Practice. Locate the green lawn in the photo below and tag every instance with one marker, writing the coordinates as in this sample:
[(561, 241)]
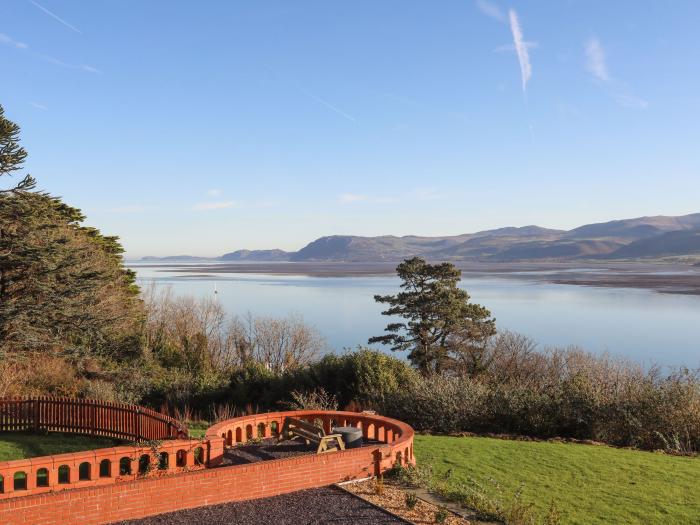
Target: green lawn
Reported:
[(197, 429), (18, 445), (589, 484)]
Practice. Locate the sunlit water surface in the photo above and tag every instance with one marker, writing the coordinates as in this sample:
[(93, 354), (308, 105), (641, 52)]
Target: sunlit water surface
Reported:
[(646, 326)]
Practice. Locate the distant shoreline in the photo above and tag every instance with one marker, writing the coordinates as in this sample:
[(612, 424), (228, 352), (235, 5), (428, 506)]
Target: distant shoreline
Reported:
[(663, 277)]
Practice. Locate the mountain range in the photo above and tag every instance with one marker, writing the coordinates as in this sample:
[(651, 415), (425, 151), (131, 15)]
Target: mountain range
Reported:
[(638, 238)]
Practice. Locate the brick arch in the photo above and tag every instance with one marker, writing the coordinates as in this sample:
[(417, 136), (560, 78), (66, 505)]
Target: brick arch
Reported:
[(105, 470), (42, 477)]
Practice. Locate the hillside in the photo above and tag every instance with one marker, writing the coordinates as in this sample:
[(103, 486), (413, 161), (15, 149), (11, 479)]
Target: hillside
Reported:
[(641, 237), (638, 238), (686, 242), (175, 258), (256, 255), (634, 229)]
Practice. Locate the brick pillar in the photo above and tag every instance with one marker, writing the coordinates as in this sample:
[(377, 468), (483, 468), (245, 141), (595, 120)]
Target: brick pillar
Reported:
[(216, 450), (31, 480), (377, 462)]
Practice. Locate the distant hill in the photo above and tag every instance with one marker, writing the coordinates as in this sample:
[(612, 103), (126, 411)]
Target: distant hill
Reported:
[(493, 243), (256, 255), (559, 249), (664, 245), (351, 248), (176, 258), (641, 237), (634, 229)]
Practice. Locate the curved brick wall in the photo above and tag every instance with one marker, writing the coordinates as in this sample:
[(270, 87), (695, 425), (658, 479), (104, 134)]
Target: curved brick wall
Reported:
[(99, 501), (24, 477), (396, 434)]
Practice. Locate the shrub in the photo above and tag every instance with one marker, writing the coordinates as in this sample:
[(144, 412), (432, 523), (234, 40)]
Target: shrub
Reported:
[(568, 394), (379, 486), (317, 399), (411, 500), (365, 377)]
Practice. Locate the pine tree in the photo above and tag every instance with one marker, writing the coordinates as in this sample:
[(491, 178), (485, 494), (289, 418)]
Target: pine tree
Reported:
[(435, 310), (63, 286), (12, 155)]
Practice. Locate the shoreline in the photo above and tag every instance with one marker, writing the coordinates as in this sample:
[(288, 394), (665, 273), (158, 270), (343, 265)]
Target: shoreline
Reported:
[(661, 277)]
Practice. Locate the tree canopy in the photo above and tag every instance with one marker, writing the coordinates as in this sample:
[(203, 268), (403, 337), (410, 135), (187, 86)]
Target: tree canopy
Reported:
[(63, 286), (437, 314), (12, 155)]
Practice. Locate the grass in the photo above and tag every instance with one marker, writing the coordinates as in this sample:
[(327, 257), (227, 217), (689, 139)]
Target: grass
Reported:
[(19, 445), (589, 484), (197, 429)]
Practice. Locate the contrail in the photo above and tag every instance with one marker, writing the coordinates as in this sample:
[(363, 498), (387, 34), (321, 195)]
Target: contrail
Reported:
[(520, 48), (316, 98), (56, 17), (327, 104)]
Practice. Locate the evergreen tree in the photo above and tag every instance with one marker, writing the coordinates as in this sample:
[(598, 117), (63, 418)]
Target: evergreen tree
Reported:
[(436, 311), (12, 155), (63, 286)]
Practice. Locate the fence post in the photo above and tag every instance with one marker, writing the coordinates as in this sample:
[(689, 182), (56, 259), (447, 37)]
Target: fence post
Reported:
[(36, 415), (93, 418), (138, 423)]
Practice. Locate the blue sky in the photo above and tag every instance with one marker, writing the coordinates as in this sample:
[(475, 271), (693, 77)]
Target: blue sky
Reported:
[(206, 127)]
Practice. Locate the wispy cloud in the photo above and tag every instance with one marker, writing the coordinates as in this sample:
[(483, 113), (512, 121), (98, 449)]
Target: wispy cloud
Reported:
[(38, 106), (348, 198), (220, 205), (491, 10), (629, 100), (7, 40), (129, 208), (597, 67), (595, 60), (353, 198), (427, 194), (68, 65), (214, 192), (56, 17), (520, 48)]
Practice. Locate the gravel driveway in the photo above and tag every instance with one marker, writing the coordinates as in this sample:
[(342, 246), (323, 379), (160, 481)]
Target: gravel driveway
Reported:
[(307, 507)]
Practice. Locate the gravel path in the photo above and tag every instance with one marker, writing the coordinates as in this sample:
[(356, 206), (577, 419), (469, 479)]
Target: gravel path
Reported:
[(328, 505)]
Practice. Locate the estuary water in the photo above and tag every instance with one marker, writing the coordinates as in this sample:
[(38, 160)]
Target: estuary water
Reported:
[(646, 326)]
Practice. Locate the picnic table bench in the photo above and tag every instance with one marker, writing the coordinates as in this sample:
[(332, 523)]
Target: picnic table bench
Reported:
[(312, 434)]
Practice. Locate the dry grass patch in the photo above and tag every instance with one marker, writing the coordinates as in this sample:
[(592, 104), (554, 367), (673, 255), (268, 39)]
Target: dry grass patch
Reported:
[(394, 499)]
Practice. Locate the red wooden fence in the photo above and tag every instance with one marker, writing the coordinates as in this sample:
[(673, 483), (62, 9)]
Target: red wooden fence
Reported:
[(87, 416)]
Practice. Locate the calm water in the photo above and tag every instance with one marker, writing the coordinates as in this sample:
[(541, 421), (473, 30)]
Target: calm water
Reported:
[(646, 326)]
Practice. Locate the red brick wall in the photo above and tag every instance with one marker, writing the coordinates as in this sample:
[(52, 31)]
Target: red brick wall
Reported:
[(99, 501), (135, 499), (92, 459)]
